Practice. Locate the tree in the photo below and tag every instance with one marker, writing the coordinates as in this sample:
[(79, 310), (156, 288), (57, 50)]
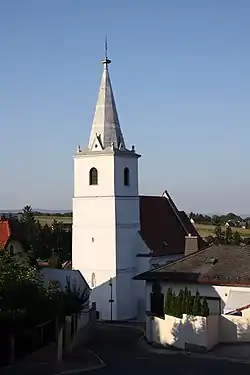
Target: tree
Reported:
[(28, 222), (197, 305), (219, 235), (204, 307), (27, 216), (168, 301), (228, 235), (236, 240)]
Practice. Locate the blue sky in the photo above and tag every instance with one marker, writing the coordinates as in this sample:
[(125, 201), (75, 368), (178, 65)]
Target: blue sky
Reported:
[(180, 74)]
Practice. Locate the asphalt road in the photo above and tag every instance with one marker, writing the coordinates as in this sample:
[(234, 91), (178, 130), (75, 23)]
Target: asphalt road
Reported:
[(124, 353)]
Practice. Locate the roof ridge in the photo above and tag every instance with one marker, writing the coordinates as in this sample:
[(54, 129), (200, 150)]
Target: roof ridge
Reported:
[(167, 196)]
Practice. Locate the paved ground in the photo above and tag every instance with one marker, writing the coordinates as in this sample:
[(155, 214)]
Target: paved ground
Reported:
[(124, 351), (238, 350)]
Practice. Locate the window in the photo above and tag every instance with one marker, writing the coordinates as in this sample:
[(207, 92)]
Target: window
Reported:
[(126, 176), (93, 176)]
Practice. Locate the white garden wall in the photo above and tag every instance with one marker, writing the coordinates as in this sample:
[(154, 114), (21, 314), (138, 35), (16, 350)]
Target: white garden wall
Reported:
[(198, 331), (234, 328)]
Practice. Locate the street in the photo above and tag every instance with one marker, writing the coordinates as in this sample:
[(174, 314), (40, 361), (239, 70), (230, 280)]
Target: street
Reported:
[(123, 352)]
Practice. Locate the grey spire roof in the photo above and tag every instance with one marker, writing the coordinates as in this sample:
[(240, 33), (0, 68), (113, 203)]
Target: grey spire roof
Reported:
[(106, 131)]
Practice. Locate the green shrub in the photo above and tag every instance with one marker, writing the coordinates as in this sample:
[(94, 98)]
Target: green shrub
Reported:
[(185, 303)]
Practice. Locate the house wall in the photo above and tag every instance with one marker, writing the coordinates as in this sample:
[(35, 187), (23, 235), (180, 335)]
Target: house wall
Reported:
[(180, 333), (211, 291), (75, 277), (17, 248)]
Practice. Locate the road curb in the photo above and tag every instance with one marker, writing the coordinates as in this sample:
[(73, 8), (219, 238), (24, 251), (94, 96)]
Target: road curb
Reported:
[(84, 369)]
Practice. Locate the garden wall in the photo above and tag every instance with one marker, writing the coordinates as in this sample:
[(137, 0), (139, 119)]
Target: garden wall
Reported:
[(234, 328), (189, 333)]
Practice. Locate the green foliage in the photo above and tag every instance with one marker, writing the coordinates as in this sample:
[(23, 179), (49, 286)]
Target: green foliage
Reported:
[(204, 307), (197, 305), (25, 299), (236, 238), (185, 303), (219, 235), (228, 235)]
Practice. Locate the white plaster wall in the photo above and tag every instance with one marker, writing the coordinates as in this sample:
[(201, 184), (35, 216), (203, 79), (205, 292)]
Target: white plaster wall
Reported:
[(17, 248), (104, 163), (213, 322), (214, 291), (105, 223), (179, 332), (234, 328), (143, 265), (74, 276), (176, 332), (132, 164)]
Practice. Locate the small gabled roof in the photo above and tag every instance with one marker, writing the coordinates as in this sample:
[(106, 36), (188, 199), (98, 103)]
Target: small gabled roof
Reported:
[(10, 228), (216, 265), (5, 233)]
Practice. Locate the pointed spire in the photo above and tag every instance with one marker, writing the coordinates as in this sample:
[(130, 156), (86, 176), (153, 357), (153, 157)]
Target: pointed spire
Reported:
[(106, 131)]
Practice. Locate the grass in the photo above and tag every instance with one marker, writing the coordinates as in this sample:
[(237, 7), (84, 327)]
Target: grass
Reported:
[(49, 219), (203, 229), (208, 230)]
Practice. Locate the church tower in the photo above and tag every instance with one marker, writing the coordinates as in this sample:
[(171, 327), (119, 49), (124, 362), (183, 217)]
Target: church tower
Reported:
[(106, 217)]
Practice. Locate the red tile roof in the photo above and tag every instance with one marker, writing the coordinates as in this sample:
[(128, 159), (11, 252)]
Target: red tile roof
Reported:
[(11, 228), (5, 233), (163, 227)]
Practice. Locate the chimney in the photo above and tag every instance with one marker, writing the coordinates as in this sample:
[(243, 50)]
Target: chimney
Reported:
[(191, 244)]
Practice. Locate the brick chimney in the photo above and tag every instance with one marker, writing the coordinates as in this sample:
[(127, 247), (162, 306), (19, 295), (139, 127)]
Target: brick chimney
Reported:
[(191, 244)]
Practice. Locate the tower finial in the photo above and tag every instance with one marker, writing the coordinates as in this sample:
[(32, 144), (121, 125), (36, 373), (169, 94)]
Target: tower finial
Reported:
[(106, 60), (106, 47)]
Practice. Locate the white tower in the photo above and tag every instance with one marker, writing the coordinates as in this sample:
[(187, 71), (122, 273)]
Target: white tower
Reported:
[(106, 216)]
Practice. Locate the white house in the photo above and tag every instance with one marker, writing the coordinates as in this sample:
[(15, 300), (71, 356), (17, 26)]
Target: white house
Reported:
[(219, 273), (117, 233)]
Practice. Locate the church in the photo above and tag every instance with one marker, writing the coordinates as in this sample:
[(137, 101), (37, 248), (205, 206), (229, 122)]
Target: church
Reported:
[(117, 233)]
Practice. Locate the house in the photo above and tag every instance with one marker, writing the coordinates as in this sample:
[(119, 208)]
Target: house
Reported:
[(219, 273), (117, 233), (12, 238), (62, 277)]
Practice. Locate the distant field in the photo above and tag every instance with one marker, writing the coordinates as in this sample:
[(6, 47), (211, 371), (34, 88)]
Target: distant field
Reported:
[(208, 230), (204, 230), (49, 219)]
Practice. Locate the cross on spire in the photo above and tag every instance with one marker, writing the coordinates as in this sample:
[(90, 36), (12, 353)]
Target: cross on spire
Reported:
[(106, 60)]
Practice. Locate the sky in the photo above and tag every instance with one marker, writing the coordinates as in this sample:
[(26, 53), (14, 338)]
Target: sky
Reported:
[(180, 75)]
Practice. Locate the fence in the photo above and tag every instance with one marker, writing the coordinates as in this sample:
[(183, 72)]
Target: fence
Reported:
[(27, 340), (24, 340)]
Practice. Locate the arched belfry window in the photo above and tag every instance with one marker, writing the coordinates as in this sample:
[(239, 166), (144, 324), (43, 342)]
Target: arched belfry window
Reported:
[(93, 176), (126, 176)]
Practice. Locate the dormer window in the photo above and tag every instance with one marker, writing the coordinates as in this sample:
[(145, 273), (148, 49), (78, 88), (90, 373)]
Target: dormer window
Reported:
[(126, 176), (93, 176)]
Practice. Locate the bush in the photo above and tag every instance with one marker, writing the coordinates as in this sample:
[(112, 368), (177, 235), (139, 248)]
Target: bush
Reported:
[(185, 303)]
